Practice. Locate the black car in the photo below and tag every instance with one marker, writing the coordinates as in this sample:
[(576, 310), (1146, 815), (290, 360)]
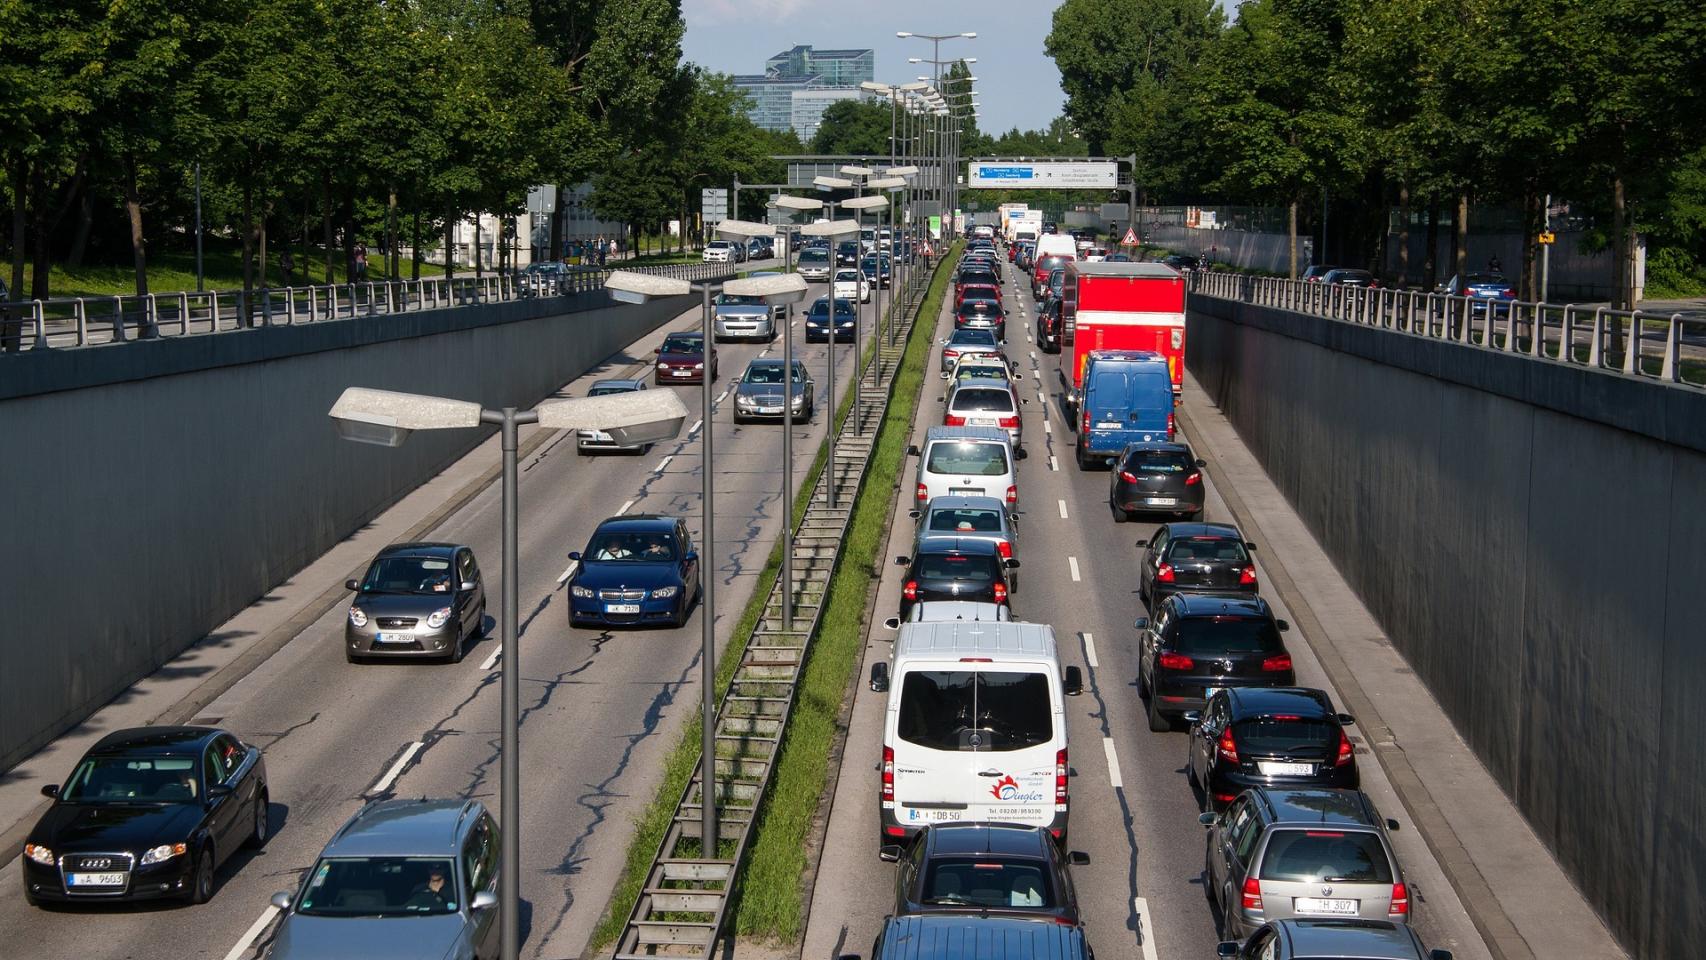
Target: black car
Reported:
[(1156, 477), (952, 568), (416, 601), (976, 937), (1211, 558), (986, 314), (817, 320), (977, 275), (847, 253), (1179, 261), (1196, 645), (148, 813), (991, 868), (1048, 327), (1269, 737)]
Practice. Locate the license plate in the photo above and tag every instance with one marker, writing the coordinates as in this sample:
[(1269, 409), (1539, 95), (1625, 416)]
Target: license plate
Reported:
[(681, 373), (965, 491), (392, 638), (96, 879), (1338, 908), (982, 422), (934, 816), (1112, 425), (1163, 501), (621, 608), (1271, 769)]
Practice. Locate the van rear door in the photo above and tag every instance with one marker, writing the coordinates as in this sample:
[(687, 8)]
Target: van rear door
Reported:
[(976, 742)]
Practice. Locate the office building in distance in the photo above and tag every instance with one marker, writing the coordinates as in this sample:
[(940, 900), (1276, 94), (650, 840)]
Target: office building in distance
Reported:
[(798, 84)]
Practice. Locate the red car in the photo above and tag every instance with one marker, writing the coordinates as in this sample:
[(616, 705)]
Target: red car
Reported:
[(976, 291), (681, 359)]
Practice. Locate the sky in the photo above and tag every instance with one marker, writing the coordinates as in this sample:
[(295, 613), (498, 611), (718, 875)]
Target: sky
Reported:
[(1018, 85)]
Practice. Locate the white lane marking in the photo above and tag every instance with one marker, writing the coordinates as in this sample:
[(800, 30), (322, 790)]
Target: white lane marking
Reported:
[(664, 463), (765, 352), (696, 425), (624, 507), (1145, 930), (1047, 428), (1090, 650), (1113, 763), (492, 660), (568, 572), (397, 768), (1062, 508), (254, 931), (1073, 563), (722, 396), (1053, 464), (1033, 354)]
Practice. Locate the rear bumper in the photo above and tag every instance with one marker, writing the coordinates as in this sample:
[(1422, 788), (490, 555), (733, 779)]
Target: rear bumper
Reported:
[(1161, 591), (1142, 501), (891, 830), (1226, 783)]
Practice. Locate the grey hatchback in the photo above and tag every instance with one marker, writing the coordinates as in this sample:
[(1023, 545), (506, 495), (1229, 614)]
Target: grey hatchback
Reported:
[(1315, 939), (403, 878), (416, 600)]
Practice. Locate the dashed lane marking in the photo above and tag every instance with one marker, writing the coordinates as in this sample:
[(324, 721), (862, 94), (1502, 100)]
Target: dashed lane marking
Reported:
[(1090, 650), (492, 661), (568, 572), (1047, 428), (1062, 508), (664, 463), (1073, 563), (248, 939), (722, 396), (696, 425), (1053, 464), (1113, 763), (397, 768), (1145, 930), (624, 507)]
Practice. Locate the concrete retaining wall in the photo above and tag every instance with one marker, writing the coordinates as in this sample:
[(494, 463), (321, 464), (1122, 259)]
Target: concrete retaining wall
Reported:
[(1529, 535), (155, 489)]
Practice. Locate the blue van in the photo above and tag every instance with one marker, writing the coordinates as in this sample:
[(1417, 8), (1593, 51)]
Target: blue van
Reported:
[(1128, 398)]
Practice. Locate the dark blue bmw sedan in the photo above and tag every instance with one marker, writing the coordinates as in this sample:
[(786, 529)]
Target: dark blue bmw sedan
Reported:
[(639, 569)]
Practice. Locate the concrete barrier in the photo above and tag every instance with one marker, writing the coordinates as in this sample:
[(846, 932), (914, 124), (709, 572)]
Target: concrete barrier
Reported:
[(1529, 535), (156, 489)]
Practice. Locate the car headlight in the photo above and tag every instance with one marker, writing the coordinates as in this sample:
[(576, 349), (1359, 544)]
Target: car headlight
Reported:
[(39, 854), (582, 592), (357, 617), (438, 617), (746, 402), (664, 593), (164, 852), (699, 366)]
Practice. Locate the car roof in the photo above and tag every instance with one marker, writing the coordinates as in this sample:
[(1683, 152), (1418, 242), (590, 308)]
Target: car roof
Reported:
[(1203, 529), (160, 740), (961, 502), (951, 543), (689, 334), (953, 639), (1189, 604), (943, 611), (965, 433), (638, 523), (1003, 839), (982, 383), (1318, 805), (623, 383), (948, 936), (1262, 701), (402, 828), (419, 548), (1371, 939)]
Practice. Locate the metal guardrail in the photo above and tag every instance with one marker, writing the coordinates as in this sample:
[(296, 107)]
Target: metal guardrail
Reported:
[(1664, 347), (103, 321)]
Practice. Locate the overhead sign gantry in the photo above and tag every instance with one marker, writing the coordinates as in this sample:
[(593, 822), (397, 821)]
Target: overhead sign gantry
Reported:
[(1042, 174)]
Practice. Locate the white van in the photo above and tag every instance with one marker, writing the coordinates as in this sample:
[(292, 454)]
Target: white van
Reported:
[(1056, 244), (975, 728), (966, 462)]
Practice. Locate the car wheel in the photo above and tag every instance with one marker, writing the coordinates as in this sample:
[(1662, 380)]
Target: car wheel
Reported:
[(1120, 516), (457, 649), (261, 830), (1078, 454), (201, 877), (480, 624), (1193, 780), (1158, 721)]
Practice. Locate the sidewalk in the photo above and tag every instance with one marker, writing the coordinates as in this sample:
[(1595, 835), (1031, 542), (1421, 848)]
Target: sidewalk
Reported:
[(1518, 897)]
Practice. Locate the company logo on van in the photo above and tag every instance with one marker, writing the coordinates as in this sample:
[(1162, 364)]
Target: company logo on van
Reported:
[(1007, 788)]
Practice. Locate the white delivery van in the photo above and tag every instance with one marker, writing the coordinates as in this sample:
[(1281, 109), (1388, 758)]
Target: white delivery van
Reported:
[(975, 728), (1057, 244)]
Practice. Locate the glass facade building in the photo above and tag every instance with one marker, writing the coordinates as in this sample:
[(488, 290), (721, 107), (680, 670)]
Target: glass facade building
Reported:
[(799, 83)]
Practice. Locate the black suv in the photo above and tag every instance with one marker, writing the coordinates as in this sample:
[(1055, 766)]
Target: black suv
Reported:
[(989, 868), (954, 568), (1211, 558), (1196, 645), (1264, 737)]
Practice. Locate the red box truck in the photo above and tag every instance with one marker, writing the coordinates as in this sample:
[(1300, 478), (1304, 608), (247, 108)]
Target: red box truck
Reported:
[(1122, 306)]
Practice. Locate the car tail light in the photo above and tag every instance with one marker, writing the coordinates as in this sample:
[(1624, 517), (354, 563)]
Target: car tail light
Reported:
[(1060, 772), (1164, 573), (950, 420), (1247, 577), (1252, 899), (888, 774), (1000, 592), (1009, 421), (910, 591), (1176, 661), (1346, 752), (1012, 493), (1172, 426), (1005, 548), (1227, 747), (1128, 476), (1085, 423), (1400, 901), (923, 493), (1193, 479), (950, 354), (1510, 294), (1277, 664)]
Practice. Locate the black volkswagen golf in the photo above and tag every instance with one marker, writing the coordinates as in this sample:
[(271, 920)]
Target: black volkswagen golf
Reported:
[(148, 813), (954, 568), (1196, 558), (1274, 737), (1156, 477), (1195, 645)]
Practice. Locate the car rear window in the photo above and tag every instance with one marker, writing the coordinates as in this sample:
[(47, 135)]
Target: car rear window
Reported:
[(981, 710), (987, 883), (1278, 733), (965, 520), (1336, 856), (1052, 262), (1208, 636), (982, 399), (1156, 461), (967, 459), (956, 566), (1207, 548), (972, 336), (1489, 278)]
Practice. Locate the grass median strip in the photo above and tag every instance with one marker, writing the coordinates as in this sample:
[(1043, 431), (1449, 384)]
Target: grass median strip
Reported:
[(770, 900)]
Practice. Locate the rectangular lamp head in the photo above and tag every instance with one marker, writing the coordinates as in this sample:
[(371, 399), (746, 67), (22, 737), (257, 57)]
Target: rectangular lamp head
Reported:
[(387, 417), (865, 203), (775, 289), (631, 286), (789, 202), (637, 417), (746, 228), (831, 228)]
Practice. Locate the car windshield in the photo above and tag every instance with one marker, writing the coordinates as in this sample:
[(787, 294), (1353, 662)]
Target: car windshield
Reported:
[(145, 779), (1280, 733), (607, 391), (820, 309), (968, 459), (973, 338), (719, 245), (982, 400), (1214, 636), (1337, 856), (736, 300), (681, 343), (1156, 461), (815, 255), (422, 575), (847, 276), (965, 520), (975, 710), (631, 546), (1207, 548), (770, 373), (1052, 262), (379, 887), (987, 883)]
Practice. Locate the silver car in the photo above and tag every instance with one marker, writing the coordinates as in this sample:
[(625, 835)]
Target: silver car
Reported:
[(416, 601), (587, 440), (401, 879), (758, 394), (972, 518), (743, 317), (967, 340), (545, 279)]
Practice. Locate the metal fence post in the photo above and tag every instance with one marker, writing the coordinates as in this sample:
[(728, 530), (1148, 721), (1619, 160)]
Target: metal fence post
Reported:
[(1632, 350), (1596, 349), (38, 316), (1668, 368)]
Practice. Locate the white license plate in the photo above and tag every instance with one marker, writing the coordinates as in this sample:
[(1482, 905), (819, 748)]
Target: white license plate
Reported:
[(1337, 908), (1272, 769), (96, 879), (1111, 425), (1162, 501), (621, 608), (965, 491), (681, 373), (392, 638), (934, 816), (982, 421)]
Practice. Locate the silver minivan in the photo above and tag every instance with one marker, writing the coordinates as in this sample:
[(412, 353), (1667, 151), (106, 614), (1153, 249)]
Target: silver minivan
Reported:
[(968, 462)]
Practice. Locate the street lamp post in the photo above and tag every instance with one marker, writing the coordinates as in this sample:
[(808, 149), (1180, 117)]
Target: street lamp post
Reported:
[(832, 229), (386, 418), (793, 233)]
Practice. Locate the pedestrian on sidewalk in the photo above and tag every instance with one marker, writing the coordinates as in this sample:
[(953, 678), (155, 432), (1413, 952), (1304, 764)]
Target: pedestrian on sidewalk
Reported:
[(361, 262)]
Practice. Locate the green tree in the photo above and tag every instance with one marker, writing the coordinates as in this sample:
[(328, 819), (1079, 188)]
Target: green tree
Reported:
[(857, 127)]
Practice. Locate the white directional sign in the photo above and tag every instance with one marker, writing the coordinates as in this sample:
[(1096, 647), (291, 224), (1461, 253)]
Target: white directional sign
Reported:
[(1042, 175), (714, 204)]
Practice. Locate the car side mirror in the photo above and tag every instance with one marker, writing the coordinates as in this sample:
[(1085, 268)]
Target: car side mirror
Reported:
[(879, 678), (281, 900), (1074, 681), (1078, 858), (1226, 950), (1202, 463), (1143, 543), (353, 585), (892, 623), (1191, 717), (915, 514), (1249, 546), (50, 790), (855, 956), (1391, 824), (1345, 718), (575, 555), (912, 450), (219, 790), (469, 585), (1439, 955), (941, 399), (1206, 819), (1141, 623), (658, 350), (484, 900), (1012, 563), (1021, 454), (902, 561), (692, 555)]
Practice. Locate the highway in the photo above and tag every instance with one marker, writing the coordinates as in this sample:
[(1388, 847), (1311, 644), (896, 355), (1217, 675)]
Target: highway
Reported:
[(1131, 807), (600, 710)]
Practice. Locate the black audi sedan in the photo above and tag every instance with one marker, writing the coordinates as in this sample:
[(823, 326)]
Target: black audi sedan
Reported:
[(992, 868), (1210, 558), (148, 813), (1196, 645), (416, 601), (1269, 737), (1156, 477), (954, 568)]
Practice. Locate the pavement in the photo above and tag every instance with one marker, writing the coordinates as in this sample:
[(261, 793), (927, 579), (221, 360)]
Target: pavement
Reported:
[(1482, 885)]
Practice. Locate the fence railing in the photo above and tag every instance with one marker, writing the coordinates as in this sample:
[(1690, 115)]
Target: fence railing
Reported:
[(100, 321), (1663, 346)]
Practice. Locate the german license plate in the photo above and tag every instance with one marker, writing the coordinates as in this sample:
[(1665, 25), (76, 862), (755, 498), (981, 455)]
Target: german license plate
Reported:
[(935, 816), (964, 491), (1162, 501), (392, 638), (1272, 769), (96, 879), (621, 608), (1337, 908), (1108, 425), (982, 421), (681, 373)]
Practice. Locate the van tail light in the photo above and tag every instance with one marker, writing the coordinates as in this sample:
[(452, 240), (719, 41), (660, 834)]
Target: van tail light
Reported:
[(1012, 493), (1060, 780), (1252, 899), (923, 493), (1277, 664), (1005, 548), (1247, 577), (1193, 479), (1129, 477), (1346, 754), (910, 591), (1012, 421), (1400, 901), (1228, 749), (888, 774), (1176, 661), (1085, 423), (1172, 426), (949, 420), (1164, 573), (1000, 592)]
